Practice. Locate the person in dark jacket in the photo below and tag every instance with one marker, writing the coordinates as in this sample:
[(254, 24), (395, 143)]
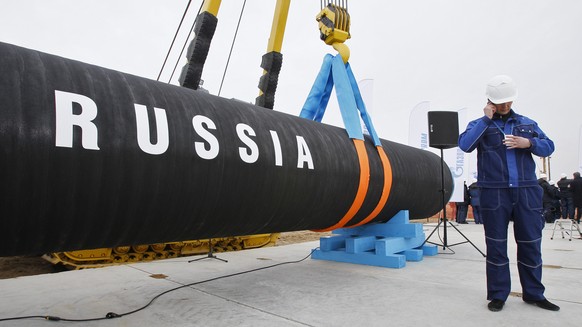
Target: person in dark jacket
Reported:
[(463, 207), (551, 194), (556, 205), (506, 173), (566, 197), (576, 188), (474, 192)]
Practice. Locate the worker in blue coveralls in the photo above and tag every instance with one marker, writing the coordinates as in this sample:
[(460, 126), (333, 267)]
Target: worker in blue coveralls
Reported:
[(505, 142)]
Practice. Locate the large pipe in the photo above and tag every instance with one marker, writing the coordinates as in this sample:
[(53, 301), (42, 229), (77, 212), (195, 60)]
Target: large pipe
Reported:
[(91, 157)]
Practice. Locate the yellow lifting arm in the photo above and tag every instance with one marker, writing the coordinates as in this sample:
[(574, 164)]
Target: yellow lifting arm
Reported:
[(278, 26), (273, 59), (211, 6), (204, 29)]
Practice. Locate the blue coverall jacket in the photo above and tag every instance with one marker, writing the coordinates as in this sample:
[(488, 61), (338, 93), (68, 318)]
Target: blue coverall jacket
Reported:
[(509, 191), (496, 166)]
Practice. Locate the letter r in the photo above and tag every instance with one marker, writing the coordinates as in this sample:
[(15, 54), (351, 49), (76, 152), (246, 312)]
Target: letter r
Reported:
[(65, 120)]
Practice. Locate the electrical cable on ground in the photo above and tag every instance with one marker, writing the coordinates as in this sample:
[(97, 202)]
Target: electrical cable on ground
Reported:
[(111, 315)]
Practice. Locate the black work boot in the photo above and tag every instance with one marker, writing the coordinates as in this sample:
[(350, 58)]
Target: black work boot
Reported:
[(544, 304), (496, 305)]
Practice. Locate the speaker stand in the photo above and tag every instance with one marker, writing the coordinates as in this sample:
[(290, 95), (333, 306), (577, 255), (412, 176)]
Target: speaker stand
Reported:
[(444, 220), (210, 254)]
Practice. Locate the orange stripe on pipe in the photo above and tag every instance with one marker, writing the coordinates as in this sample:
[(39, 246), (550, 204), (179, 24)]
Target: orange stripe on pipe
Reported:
[(385, 190), (362, 187)]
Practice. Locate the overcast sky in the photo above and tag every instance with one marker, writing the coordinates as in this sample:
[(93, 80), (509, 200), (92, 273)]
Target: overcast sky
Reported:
[(441, 51)]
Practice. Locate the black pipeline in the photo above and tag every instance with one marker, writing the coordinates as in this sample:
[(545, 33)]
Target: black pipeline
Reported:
[(94, 158)]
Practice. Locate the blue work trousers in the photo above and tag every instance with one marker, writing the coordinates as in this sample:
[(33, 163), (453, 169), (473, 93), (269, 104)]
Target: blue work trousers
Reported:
[(567, 205), (462, 210), (522, 205)]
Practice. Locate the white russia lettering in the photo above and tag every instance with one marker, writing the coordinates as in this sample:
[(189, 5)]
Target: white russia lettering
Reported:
[(143, 130), (66, 119)]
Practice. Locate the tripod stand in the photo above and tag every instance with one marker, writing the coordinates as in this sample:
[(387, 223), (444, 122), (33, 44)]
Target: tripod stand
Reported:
[(443, 220), (210, 254)]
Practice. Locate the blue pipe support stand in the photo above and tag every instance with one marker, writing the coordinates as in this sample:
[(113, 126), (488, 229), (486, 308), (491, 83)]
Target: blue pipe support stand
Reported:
[(388, 244)]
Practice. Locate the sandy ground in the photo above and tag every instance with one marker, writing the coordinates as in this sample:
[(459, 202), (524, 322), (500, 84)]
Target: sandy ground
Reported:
[(11, 267)]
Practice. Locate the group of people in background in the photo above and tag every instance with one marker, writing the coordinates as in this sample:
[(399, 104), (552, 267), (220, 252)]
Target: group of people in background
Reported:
[(562, 199)]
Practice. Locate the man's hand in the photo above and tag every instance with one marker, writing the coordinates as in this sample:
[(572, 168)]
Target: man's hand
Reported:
[(516, 142), (489, 110)]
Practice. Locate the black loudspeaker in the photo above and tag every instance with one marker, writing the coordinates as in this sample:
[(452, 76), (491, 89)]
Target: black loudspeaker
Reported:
[(443, 129)]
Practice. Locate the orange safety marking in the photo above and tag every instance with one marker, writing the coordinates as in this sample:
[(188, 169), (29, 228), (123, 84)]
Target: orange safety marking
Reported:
[(362, 187), (385, 190)]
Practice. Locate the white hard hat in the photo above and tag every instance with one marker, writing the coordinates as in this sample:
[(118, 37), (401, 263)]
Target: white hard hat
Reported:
[(552, 182), (563, 175), (542, 175), (501, 89)]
